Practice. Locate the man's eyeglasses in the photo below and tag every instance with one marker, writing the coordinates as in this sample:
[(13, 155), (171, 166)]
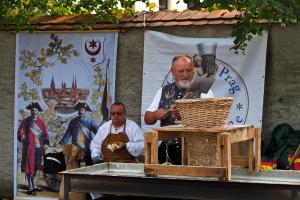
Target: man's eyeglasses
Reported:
[(116, 113)]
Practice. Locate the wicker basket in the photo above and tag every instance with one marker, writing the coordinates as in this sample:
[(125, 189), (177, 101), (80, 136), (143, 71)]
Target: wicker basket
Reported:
[(205, 112)]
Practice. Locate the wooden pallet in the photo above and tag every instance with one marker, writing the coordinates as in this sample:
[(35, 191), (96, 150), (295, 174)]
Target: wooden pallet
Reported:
[(225, 137)]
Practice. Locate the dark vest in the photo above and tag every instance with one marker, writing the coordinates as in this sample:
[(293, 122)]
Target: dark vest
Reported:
[(170, 93)]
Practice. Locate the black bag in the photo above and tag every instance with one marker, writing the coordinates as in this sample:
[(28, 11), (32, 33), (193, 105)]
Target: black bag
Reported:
[(282, 140), (54, 161)]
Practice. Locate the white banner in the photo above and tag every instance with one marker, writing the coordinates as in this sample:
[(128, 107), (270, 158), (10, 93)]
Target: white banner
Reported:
[(240, 76), (58, 74)]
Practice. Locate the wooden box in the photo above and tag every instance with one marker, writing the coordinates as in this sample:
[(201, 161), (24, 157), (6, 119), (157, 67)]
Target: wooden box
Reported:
[(220, 138)]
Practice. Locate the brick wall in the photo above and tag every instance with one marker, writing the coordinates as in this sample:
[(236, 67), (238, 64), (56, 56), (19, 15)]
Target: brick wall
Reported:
[(7, 89)]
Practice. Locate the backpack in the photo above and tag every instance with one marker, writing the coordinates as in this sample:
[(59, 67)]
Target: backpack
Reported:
[(54, 161), (276, 146)]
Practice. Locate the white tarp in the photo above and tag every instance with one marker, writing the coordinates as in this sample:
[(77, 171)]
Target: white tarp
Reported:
[(240, 76)]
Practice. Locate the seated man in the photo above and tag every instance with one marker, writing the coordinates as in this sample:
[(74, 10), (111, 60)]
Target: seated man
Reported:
[(118, 140)]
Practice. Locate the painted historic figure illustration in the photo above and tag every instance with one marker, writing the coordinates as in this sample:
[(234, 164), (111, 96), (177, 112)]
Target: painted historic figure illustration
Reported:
[(34, 138), (71, 76), (81, 131)]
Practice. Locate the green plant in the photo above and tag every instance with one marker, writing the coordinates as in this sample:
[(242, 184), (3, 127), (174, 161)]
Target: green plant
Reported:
[(252, 13), (21, 12)]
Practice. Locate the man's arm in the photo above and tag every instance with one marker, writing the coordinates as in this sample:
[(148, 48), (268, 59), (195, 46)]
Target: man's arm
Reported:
[(152, 117), (135, 145), (64, 140), (94, 126), (96, 144), (153, 113)]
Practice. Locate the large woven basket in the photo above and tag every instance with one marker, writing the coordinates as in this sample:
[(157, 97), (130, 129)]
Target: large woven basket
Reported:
[(204, 112)]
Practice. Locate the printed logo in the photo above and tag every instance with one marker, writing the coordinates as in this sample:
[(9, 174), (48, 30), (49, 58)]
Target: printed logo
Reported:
[(230, 84)]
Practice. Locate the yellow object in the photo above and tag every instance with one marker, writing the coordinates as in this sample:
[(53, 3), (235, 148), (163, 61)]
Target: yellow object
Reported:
[(297, 160), (152, 6), (266, 167), (26, 2), (115, 146)]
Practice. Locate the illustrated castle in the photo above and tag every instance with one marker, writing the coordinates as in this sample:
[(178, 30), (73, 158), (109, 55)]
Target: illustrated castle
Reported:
[(64, 97)]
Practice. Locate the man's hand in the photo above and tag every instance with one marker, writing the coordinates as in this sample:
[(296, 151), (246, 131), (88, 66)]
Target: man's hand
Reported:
[(121, 145), (98, 159), (151, 117), (160, 114), (175, 113)]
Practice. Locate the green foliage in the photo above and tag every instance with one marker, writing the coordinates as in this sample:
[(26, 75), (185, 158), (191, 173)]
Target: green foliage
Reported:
[(278, 11), (21, 12)]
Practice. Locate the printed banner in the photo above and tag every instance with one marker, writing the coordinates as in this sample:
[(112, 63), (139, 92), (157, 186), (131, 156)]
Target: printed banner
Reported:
[(65, 84), (240, 76)]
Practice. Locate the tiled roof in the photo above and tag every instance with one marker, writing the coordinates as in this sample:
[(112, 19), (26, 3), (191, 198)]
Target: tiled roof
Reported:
[(161, 18)]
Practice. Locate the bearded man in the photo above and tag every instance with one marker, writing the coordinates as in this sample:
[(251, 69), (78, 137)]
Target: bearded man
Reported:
[(161, 107)]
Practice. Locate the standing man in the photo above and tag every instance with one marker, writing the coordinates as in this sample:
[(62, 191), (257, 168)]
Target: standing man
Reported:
[(81, 131), (34, 138), (118, 140), (162, 108)]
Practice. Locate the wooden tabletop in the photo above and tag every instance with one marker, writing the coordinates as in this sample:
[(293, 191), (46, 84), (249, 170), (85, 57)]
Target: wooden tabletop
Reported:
[(226, 128)]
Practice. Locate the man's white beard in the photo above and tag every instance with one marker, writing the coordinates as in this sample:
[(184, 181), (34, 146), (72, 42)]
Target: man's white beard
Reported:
[(184, 84)]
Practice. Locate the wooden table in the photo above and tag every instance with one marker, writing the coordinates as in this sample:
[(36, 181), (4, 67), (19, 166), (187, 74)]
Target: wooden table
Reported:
[(129, 179), (225, 137)]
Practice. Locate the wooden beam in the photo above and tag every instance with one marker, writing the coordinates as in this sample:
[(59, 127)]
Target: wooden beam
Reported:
[(240, 161), (147, 148), (154, 148), (257, 148), (179, 170), (177, 128), (250, 155), (185, 151), (242, 135), (227, 156)]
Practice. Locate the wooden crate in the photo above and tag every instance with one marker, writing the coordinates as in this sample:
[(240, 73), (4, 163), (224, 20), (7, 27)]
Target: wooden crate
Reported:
[(224, 138)]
